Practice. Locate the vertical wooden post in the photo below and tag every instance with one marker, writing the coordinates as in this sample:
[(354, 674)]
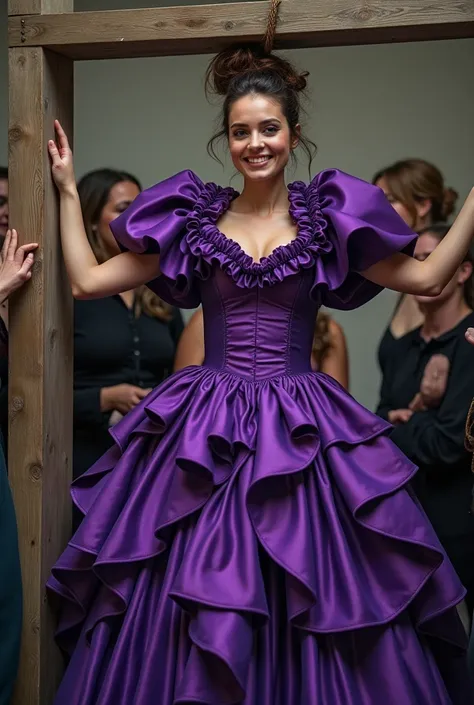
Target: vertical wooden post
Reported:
[(40, 356)]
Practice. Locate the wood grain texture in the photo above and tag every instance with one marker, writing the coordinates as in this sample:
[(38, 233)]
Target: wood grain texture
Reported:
[(40, 444), (206, 28), (38, 7)]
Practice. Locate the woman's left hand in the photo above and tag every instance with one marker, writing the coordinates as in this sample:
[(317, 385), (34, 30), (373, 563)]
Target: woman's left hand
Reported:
[(470, 335), (16, 263)]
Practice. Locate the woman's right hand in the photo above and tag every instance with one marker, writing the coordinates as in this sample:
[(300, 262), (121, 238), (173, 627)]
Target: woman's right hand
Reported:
[(61, 160), (122, 397)]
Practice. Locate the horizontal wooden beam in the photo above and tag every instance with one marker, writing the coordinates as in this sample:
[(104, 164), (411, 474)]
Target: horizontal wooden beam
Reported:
[(200, 29), (38, 7)]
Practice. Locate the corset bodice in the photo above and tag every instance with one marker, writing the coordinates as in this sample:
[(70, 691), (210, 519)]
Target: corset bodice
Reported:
[(262, 332)]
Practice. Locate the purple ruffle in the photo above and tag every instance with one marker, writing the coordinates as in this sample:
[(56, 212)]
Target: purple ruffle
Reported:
[(155, 223), (210, 246), (344, 226), (207, 499)]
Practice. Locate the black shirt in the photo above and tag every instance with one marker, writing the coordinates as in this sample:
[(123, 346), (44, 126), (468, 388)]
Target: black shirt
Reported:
[(434, 439), (386, 350), (111, 347)]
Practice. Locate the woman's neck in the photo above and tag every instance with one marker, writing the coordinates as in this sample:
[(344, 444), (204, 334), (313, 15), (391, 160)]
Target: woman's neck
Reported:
[(263, 198), (443, 319)]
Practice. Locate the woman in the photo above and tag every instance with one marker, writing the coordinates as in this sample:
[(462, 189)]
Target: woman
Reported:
[(328, 354), (433, 435), (124, 345), (417, 191), (251, 538), (15, 270)]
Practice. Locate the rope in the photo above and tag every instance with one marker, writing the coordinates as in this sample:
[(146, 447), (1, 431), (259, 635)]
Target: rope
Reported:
[(272, 21)]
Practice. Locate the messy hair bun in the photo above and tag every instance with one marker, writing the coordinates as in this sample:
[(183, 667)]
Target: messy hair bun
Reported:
[(245, 70), (235, 62)]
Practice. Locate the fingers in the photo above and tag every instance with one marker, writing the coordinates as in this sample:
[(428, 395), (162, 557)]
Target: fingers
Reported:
[(142, 393), (54, 153), (25, 270), (62, 137), (6, 244), (12, 245), (22, 251), (470, 335)]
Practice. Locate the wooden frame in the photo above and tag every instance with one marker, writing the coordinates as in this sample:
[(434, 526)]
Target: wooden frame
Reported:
[(45, 36)]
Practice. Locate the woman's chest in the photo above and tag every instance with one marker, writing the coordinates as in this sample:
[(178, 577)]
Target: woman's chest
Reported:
[(258, 236)]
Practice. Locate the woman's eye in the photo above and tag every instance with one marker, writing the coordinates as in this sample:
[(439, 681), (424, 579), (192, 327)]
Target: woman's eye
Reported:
[(238, 134), (271, 129)]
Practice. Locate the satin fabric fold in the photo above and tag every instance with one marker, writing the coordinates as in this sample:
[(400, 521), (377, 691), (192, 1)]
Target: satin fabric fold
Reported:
[(212, 518)]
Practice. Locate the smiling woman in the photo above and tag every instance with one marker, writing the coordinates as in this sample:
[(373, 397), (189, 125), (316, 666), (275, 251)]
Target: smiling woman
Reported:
[(251, 536)]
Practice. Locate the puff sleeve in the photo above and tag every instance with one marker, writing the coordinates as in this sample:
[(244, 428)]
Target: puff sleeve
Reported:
[(361, 228), (156, 222)]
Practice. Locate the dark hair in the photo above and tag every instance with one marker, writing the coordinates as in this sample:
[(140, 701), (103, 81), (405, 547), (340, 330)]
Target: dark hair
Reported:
[(94, 191), (440, 230), (240, 71), (3, 172), (413, 180)]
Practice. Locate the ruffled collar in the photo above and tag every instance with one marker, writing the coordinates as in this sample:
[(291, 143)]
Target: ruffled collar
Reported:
[(210, 245)]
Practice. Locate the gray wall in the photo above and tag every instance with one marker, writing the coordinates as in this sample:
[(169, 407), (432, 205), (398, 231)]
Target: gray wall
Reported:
[(369, 106)]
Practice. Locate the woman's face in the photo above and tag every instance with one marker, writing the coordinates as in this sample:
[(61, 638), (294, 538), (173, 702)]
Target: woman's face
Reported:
[(260, 140), (120, 197), (423, 208), (425, 245)]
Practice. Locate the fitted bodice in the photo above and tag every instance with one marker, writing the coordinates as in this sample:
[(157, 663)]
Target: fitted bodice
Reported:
[(261, 332)]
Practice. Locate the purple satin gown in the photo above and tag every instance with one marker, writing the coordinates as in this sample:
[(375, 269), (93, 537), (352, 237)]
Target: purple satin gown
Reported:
[(251, 537)]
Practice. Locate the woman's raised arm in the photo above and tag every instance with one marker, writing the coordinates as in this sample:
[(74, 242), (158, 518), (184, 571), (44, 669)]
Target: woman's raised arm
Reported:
[(429, 277), (90, 280)]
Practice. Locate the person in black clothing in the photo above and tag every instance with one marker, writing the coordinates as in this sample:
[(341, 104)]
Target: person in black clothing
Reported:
[(124, 345), (417, 191), (15, 270), (431, 431)]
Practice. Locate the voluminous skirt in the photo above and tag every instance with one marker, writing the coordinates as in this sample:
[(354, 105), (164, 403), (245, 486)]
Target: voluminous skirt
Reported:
[(257, 544)]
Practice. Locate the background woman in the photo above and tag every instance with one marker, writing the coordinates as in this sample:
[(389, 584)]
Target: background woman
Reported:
[(328, 355), (434, 437), (124, 345), (417, 191)]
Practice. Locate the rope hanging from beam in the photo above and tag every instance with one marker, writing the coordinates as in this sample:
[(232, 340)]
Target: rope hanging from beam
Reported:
[(272, 21)]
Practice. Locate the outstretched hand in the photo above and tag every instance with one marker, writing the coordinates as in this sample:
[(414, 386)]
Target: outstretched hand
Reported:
[(61, 159), (16, 263)]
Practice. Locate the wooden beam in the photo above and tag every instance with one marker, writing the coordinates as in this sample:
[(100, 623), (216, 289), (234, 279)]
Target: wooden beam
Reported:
[(40, 362), (38, 7), (206, 28)]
